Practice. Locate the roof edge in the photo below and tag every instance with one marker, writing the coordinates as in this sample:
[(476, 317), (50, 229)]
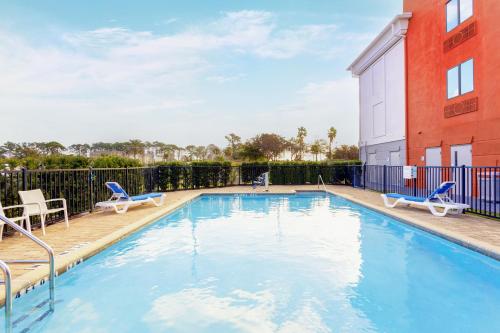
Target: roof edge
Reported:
[(395, 30)]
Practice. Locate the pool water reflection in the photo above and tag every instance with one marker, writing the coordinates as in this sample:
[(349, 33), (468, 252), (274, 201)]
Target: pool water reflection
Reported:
[(275, 263)]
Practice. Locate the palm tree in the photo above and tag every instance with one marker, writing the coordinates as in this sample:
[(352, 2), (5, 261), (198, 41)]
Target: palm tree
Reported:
[(301, 137), (135, 147), (317, 148), (332, 134)]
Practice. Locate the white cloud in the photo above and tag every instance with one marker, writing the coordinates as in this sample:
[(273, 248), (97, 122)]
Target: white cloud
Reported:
[(195, 309), (106, 37), (119, 60), (170, 20), (108, 72), (292, 42), (224, 78)]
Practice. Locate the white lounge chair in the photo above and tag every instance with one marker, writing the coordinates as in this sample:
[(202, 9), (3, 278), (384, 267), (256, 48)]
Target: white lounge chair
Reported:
[(120, 201), (438, 199), (23, 219), (36, 205)]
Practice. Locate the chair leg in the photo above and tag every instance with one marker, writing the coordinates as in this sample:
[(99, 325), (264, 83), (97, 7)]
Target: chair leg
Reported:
[(66, 216), (42, 218), (27, 222), (122, 210), (1, 231), (388, 204), (435, 212)]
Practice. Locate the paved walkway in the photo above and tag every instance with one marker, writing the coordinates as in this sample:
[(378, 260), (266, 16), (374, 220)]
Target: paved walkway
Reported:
[(91, 233)]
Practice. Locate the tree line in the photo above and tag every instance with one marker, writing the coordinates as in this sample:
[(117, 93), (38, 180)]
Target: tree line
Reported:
[(270, 146), (265, 146)]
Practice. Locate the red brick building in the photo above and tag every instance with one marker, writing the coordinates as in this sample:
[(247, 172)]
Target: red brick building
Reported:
[(453, 82)]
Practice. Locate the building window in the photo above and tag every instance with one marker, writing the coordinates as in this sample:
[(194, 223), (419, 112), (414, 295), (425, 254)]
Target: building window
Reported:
[(460, 79), (457, 11)]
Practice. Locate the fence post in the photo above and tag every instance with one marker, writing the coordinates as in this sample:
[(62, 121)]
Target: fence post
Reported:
[(158, 178), (384, 187), (91, 190), (126, 179), (463, 184), (149, 187), (364, 176), (25, 179)]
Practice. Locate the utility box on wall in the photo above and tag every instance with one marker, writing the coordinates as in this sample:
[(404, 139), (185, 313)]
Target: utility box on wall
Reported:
[(409, 172)]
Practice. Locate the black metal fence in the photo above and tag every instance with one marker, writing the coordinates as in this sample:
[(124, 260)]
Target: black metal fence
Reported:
[(83, 188), (478, 187), (302, 174)]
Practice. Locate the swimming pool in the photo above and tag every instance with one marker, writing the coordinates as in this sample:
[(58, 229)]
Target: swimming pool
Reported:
[(273, 263)]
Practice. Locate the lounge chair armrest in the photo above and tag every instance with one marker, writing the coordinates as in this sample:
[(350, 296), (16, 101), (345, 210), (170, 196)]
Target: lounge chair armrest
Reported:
[(56, 200), (12, 207), (52, 200), (19, 206)]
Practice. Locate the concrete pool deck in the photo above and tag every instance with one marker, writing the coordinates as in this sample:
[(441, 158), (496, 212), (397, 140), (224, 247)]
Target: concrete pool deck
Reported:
[(91, 233)]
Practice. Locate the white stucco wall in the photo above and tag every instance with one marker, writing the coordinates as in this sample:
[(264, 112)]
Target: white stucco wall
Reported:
[(382, 98)]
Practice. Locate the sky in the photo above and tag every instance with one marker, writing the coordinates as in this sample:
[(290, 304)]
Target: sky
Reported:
[(182, 72)]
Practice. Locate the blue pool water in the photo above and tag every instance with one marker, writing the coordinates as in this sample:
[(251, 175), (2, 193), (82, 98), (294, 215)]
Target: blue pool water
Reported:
[(273, 263)]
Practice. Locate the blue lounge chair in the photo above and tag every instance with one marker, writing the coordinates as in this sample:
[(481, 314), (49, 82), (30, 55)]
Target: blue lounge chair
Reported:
[(120, 201), (438, 199), (262, 180)]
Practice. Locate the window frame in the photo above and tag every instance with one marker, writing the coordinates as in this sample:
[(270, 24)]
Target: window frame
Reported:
[(459, 16), (448, 81), (459, 66), (473, 77)]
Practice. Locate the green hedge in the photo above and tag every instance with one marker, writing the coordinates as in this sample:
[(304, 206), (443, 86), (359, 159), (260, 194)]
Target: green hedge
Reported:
[(300, 173), (114, 162), (203, 174), (70, 162)]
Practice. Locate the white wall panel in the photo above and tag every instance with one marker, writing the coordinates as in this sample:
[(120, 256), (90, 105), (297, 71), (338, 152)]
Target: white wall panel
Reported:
[(382, 98), (379, 120)]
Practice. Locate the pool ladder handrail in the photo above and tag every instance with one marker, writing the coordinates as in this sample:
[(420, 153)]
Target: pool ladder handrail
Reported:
[(5, 268), (7, 282), (320, 179)]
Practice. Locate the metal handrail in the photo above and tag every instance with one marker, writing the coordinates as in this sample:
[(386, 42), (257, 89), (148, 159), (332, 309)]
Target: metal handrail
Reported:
[(320, 178), (7, 282), (50, 252)]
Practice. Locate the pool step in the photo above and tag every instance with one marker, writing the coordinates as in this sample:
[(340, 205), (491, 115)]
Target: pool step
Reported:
[(32, 317)]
